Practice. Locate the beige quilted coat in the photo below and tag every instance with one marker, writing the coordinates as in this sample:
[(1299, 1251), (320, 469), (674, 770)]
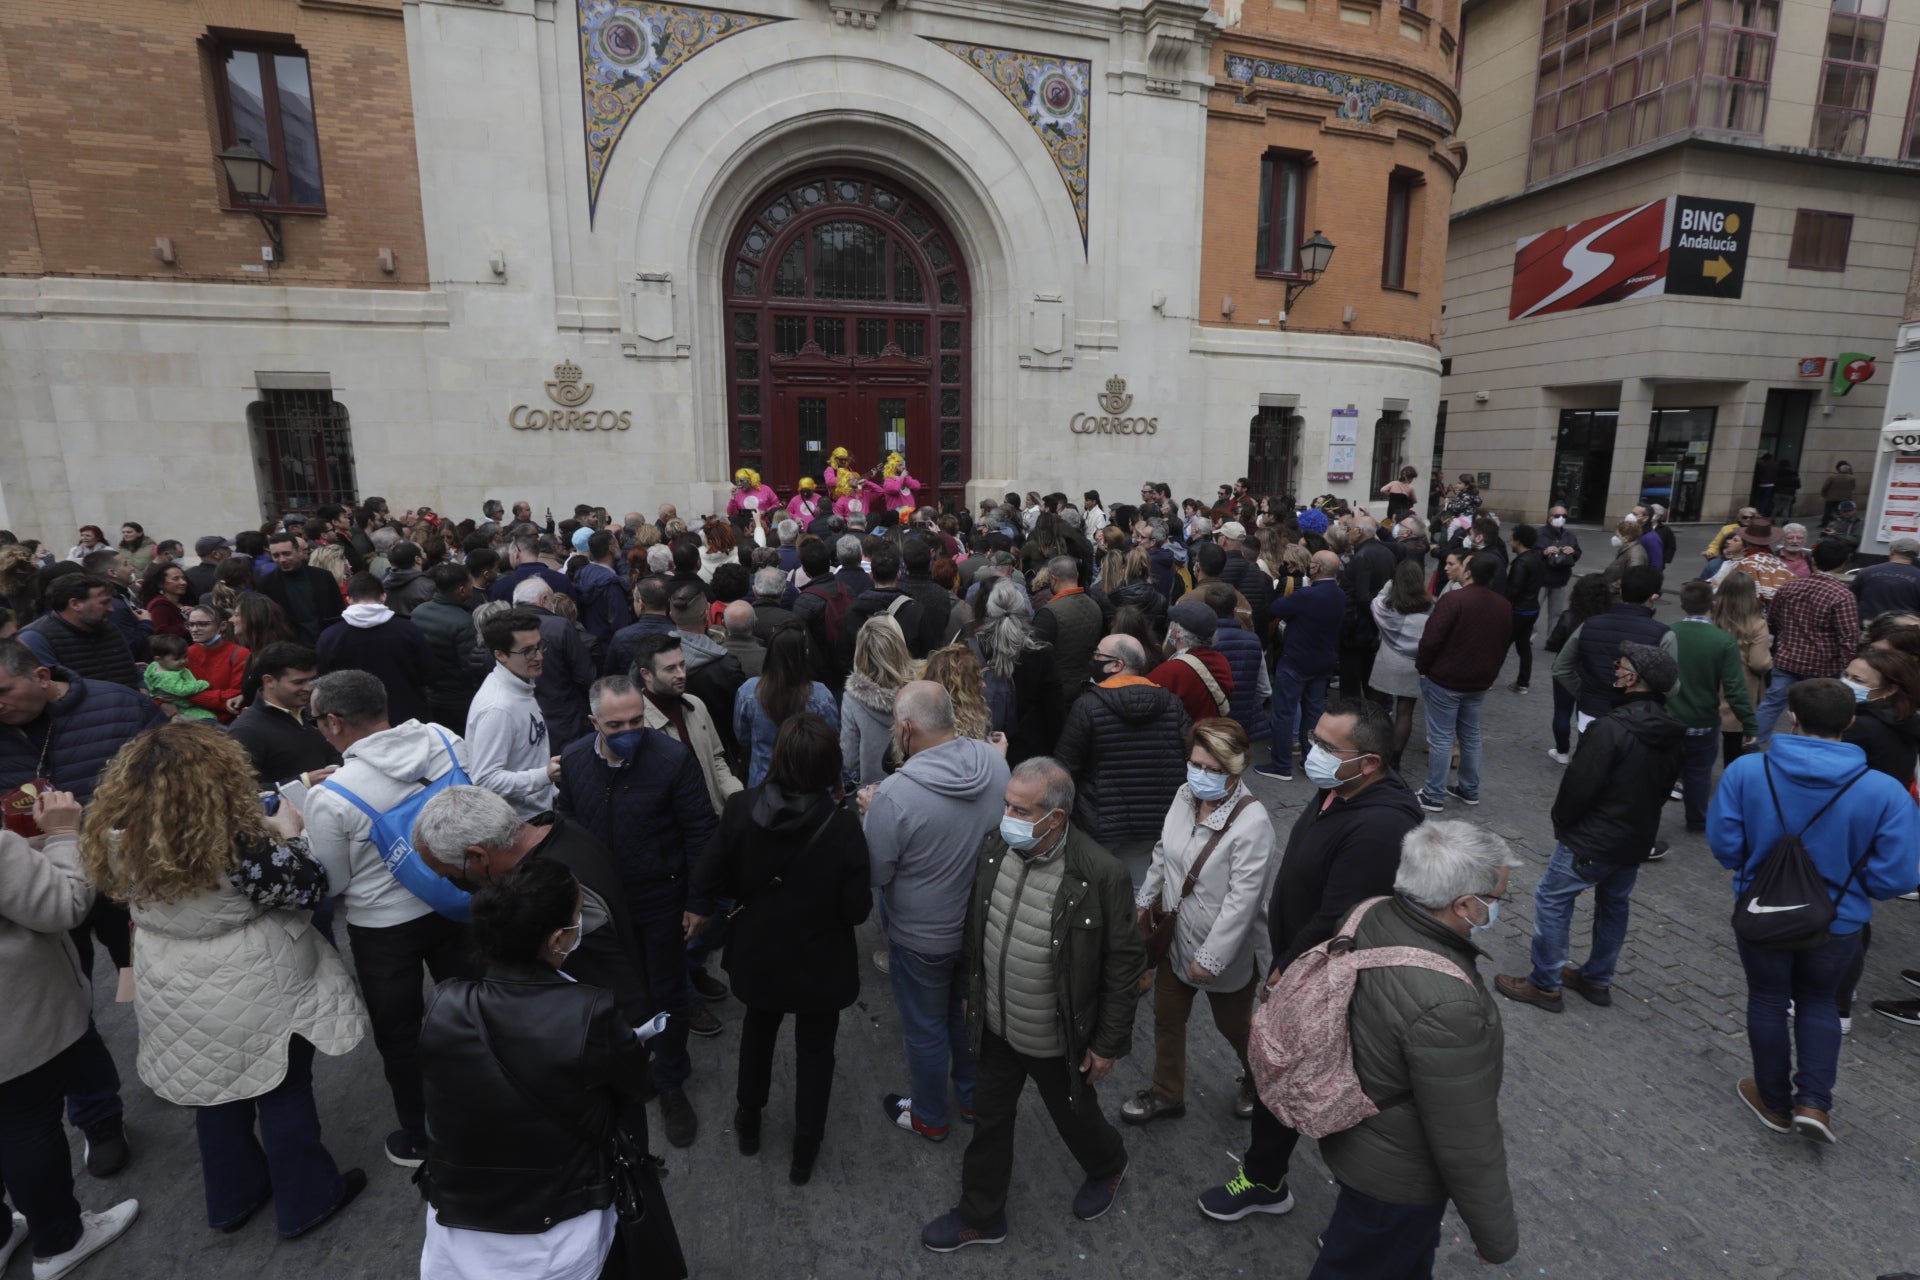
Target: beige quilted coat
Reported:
[(221, 983)]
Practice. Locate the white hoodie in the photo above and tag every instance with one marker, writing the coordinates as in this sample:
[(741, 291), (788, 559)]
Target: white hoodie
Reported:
[(383, 770), (507, 743), (367, 613)]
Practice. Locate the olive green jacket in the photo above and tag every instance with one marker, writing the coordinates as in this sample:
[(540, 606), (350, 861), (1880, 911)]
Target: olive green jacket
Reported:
[(1433, 1046), (1098, 955)]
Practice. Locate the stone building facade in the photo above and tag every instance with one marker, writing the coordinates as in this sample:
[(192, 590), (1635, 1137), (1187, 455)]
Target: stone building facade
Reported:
[(610, 250)]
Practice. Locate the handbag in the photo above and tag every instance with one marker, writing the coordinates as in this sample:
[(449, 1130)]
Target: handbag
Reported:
[(645, 1244), (775, 880), (1156, 931)]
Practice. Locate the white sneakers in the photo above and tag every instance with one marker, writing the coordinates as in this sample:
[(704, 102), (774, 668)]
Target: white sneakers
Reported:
[(1559, 757), (98, 1230), (14, 1241)]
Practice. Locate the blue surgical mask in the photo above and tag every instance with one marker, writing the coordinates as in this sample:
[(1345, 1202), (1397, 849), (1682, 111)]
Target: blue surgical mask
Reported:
[(624, 743), (1206, 784), (1493, 914), (1860, 691), (1018, 833), (1323, 767)]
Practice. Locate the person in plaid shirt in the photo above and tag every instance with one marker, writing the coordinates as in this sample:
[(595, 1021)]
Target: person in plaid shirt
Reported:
[(1816, 625)]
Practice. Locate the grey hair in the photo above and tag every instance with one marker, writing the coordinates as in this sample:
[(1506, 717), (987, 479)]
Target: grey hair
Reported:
[(1201, 527), (1132, 654), (1008, 632), (358, 697), (531, 589), (786, 531), (1793, 528), (847, 551), (1367, 525), (609, 687), (1157, 534), (1053, 776), (1063, 569), (384, 538), (659, 558), (462, 818), (1443, 861), (487, 612), (926, 704), (1069, 515), (769, 584)]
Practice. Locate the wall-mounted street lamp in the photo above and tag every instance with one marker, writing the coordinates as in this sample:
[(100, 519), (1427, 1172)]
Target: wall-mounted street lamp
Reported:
[(252, 177), (1315, 253)]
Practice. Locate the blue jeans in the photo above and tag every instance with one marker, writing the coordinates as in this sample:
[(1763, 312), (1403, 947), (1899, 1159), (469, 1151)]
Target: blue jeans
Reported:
[(1774, 703), (1562, 717), (928, 991), (286, 1162), (1448, 712), (1697, 754), (1369, 1239), (1553, 900), (1298, 701), (1811, 979)]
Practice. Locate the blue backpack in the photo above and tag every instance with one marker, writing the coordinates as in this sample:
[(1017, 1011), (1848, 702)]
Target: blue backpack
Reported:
[(392, 838)]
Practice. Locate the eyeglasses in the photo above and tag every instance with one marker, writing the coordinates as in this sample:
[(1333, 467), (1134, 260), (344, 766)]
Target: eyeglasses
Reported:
[(1314, 739), (193, 623), (1106, 657), (527, 652)]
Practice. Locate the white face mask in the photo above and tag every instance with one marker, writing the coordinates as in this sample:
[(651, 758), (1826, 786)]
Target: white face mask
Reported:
[(579, 920), (1617, 542), (1493, 913), (1558, 522)]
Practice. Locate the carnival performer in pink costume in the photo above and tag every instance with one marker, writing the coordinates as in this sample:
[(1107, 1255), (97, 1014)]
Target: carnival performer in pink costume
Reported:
[(899, 488), (750, 495), (806, 505)]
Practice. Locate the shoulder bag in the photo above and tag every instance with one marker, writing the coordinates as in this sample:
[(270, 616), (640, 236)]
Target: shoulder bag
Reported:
[(1157, 929)]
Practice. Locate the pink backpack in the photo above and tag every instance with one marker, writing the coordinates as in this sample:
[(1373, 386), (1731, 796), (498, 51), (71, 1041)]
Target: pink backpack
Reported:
[(1299, 1046)]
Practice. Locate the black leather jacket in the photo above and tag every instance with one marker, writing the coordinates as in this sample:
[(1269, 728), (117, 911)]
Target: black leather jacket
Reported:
[(498, 1159)]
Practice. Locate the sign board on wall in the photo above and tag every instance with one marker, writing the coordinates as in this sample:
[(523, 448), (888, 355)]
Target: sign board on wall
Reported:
[(1900, 499), (1680, 245), (1343, 444)]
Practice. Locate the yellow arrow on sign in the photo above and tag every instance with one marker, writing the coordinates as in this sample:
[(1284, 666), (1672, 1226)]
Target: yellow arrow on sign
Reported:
[(1716, 269)]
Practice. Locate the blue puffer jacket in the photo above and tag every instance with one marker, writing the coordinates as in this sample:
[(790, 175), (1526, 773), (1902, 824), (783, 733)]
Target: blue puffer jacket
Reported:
[(1875, 820), (654, 814), (91, 722), (1245, 656)]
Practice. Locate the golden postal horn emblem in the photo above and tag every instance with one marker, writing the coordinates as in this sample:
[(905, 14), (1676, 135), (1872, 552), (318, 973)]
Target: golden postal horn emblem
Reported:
[(569, 391), (1112, 418), (1116, 400)]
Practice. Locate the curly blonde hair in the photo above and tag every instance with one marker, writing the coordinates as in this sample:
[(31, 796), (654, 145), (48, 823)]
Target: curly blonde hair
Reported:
[(172, 812), (956, 670)]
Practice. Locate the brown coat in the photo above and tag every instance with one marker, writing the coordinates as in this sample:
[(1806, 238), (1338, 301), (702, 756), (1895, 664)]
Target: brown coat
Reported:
[(1756, 656)]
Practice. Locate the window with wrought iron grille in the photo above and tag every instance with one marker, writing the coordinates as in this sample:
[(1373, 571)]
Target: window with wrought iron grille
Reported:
[(302, 451), (1848, 71), (1615, 74)]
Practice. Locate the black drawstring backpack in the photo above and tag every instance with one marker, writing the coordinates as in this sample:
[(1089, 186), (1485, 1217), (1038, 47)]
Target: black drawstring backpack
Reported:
[(1786, 906)]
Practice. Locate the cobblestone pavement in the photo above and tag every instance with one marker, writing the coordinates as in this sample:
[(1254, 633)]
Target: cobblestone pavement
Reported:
[(1629, 1153)]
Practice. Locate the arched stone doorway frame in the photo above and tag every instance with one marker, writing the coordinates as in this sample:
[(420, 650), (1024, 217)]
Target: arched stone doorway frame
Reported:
[(904, 110)]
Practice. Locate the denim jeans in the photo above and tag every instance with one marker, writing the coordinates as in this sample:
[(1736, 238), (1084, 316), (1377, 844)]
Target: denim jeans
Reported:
[(1449, 712), (1810, 979), (1774, 702), (1553, 900), (1298, 701), (1369, 1239), (286, 1161), (1696, 774), (928, 991), (1562, 717), (35, 1167)]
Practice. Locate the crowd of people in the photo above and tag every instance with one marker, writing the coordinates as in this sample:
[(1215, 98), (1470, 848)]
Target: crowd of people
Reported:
[(554, 767)]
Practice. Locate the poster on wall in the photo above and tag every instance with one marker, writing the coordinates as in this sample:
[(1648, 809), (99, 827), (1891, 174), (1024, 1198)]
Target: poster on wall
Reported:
[(1900, 501), (1343, 444), (1685, 245)]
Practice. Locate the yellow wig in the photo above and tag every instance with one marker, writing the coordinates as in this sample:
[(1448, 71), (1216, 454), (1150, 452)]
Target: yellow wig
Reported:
[(844, 486), (807, 485), (839, 457), (748, 476), (896, 465)]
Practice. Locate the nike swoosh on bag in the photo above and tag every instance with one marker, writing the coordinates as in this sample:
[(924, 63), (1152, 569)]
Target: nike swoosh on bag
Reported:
[(1754, 908)]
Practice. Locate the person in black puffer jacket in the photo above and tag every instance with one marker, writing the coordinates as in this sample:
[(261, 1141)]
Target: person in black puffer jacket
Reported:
[(1525, 577), (1124, 742), (1605, 821), (1244, 576), (1138, 590)]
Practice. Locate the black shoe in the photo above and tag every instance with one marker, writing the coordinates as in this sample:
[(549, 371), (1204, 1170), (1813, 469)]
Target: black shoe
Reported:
[(805, 1152), (356, 1180), (708, 987), (1570, 980), (1659, 851), (106, 1147), (404, 1151), (246, 1217), (677, 1112), (1462, 796), (1096, 1195), (1911, 977), (746, 1128), (701, 1022)]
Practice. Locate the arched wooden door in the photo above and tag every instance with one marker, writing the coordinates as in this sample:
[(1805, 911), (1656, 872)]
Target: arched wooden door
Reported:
[(848, 325)]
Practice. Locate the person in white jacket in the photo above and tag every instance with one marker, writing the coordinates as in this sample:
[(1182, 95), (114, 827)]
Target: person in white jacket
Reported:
[(1218, 835), (507, 746), (394, 934)]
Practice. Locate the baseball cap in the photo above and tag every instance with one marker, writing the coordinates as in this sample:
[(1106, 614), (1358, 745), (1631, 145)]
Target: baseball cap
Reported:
[(1235, 530), (1905, 547), (204, 547)]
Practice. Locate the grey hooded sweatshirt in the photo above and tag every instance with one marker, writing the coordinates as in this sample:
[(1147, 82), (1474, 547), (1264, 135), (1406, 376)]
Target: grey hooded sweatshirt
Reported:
[(923, 835)]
